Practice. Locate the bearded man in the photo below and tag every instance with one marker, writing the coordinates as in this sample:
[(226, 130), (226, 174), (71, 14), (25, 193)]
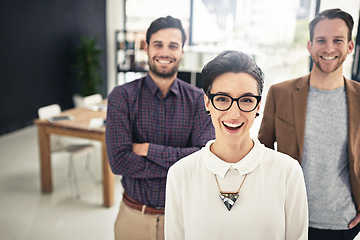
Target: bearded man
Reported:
[(316, 120), (152, 122)]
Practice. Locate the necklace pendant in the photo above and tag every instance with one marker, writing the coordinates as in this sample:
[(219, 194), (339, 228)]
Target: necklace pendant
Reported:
[(229, 199)]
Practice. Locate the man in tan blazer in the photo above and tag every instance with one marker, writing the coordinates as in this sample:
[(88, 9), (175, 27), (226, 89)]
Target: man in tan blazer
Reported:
[(316, 120)]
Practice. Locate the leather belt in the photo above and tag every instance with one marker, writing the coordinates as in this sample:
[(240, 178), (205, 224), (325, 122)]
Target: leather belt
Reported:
[(140, 207)]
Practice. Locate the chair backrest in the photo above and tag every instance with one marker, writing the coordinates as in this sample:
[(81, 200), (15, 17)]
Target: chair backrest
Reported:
[(49, 111), (92, 100)]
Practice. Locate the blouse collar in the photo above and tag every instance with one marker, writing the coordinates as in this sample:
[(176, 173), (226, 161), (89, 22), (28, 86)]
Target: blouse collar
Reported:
[(245, 166)]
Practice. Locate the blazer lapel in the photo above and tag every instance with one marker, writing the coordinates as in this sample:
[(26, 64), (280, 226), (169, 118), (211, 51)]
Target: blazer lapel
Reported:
[(300, 102), (353, 94)]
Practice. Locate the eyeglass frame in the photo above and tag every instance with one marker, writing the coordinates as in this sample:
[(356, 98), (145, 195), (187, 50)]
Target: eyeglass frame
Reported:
[(211, 97)]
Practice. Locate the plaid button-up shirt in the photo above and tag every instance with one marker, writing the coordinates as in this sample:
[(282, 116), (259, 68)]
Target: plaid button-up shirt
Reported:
[(174, 126)]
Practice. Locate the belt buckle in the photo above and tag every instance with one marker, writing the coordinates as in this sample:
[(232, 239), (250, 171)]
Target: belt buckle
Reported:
[(143, 209)]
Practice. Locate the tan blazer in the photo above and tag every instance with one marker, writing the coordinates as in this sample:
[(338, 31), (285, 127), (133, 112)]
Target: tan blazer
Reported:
[(284, 122)]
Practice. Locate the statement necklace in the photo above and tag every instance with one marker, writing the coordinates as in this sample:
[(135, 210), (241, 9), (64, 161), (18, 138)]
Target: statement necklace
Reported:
[(229, 198)]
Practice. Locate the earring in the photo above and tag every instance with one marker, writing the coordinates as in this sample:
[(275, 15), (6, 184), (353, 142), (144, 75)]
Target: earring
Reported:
[(208, 112), (257, 114)]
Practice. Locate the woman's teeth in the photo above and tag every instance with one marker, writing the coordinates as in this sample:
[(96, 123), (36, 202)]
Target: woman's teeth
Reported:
[(232, 126)]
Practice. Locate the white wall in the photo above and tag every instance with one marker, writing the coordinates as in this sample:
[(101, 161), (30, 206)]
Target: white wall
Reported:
[(114, 21)]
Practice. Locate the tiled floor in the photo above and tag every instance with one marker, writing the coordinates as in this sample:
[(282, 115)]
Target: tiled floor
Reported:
[(26, 214)]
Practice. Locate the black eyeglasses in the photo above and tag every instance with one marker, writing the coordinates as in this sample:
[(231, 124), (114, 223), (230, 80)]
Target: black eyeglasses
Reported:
[(223, 102)]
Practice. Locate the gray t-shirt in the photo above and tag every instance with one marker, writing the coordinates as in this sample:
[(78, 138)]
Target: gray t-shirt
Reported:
[(325, 160)]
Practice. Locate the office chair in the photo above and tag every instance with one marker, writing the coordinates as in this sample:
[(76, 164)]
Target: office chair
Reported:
[(92, 100), (73, 146)]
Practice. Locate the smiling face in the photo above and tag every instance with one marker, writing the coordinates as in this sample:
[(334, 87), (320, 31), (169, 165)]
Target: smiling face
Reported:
[(330, 46), (232, 126), (165, 52)]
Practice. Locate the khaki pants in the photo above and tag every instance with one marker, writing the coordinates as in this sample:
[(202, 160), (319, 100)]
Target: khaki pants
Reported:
[(132, 224)]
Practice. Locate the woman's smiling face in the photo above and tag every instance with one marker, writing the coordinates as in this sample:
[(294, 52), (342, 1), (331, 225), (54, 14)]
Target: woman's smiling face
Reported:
[(232, 126)]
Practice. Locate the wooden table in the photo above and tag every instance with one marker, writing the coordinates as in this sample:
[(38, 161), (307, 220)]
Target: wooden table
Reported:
[(77, 127)]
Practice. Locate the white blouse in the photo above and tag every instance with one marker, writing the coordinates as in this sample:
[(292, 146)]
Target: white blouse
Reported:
[(272, 201)]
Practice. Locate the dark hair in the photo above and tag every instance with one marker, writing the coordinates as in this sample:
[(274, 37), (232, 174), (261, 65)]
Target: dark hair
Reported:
[(163, 23), (332, 14), (231, 61)]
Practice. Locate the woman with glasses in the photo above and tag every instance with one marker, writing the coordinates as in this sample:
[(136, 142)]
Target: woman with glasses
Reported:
[(234, 187)]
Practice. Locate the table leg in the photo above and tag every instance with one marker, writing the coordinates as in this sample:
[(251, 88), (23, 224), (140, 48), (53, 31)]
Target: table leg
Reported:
[(45, 161), (108, 179)]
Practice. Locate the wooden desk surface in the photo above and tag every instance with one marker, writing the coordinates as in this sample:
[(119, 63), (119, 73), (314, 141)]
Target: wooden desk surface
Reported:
[(81, 119)]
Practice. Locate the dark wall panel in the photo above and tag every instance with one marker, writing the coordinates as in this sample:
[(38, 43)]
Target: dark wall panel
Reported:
[(37, 54)]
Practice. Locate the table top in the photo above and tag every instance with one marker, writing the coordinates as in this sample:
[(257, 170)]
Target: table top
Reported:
[(81, 118)]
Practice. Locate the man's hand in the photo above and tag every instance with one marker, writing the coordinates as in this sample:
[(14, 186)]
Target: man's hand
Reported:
[(140, 149), (355, 221)]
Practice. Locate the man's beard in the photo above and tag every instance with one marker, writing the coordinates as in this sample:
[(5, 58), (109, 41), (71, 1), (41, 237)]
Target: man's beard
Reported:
[(167, 74), (317, 63)]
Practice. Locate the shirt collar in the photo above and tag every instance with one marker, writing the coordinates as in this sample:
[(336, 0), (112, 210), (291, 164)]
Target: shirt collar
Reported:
[(155, 89), (245, 166)]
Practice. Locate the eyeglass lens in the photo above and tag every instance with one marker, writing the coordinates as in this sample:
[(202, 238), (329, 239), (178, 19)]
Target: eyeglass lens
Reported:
[(245, 103)]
